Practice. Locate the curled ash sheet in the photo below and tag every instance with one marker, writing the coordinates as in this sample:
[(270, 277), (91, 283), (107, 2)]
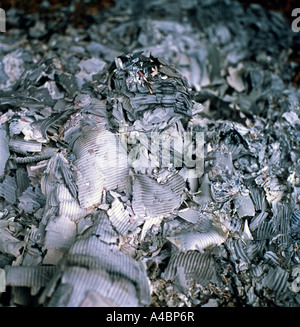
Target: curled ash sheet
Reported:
[(150, 161)]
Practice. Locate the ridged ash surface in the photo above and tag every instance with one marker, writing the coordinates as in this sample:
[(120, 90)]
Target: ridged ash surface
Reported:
[(101, 163)]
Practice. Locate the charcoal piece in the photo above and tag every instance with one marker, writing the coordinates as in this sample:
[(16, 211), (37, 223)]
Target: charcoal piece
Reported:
[(8, 189), (68, 82), (36, 74), (254, 249)]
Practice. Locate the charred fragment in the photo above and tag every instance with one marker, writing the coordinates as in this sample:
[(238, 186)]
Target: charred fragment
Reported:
[(92, 265), (153, 199), (31, 277), (101, 164), (187, 241), (143, 84), (192, 266)]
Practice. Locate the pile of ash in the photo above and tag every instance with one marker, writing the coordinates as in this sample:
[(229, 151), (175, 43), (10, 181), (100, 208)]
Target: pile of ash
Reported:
[(149, 157)]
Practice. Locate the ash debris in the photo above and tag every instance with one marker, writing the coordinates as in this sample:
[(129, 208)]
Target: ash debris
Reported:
[(90, 214)]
